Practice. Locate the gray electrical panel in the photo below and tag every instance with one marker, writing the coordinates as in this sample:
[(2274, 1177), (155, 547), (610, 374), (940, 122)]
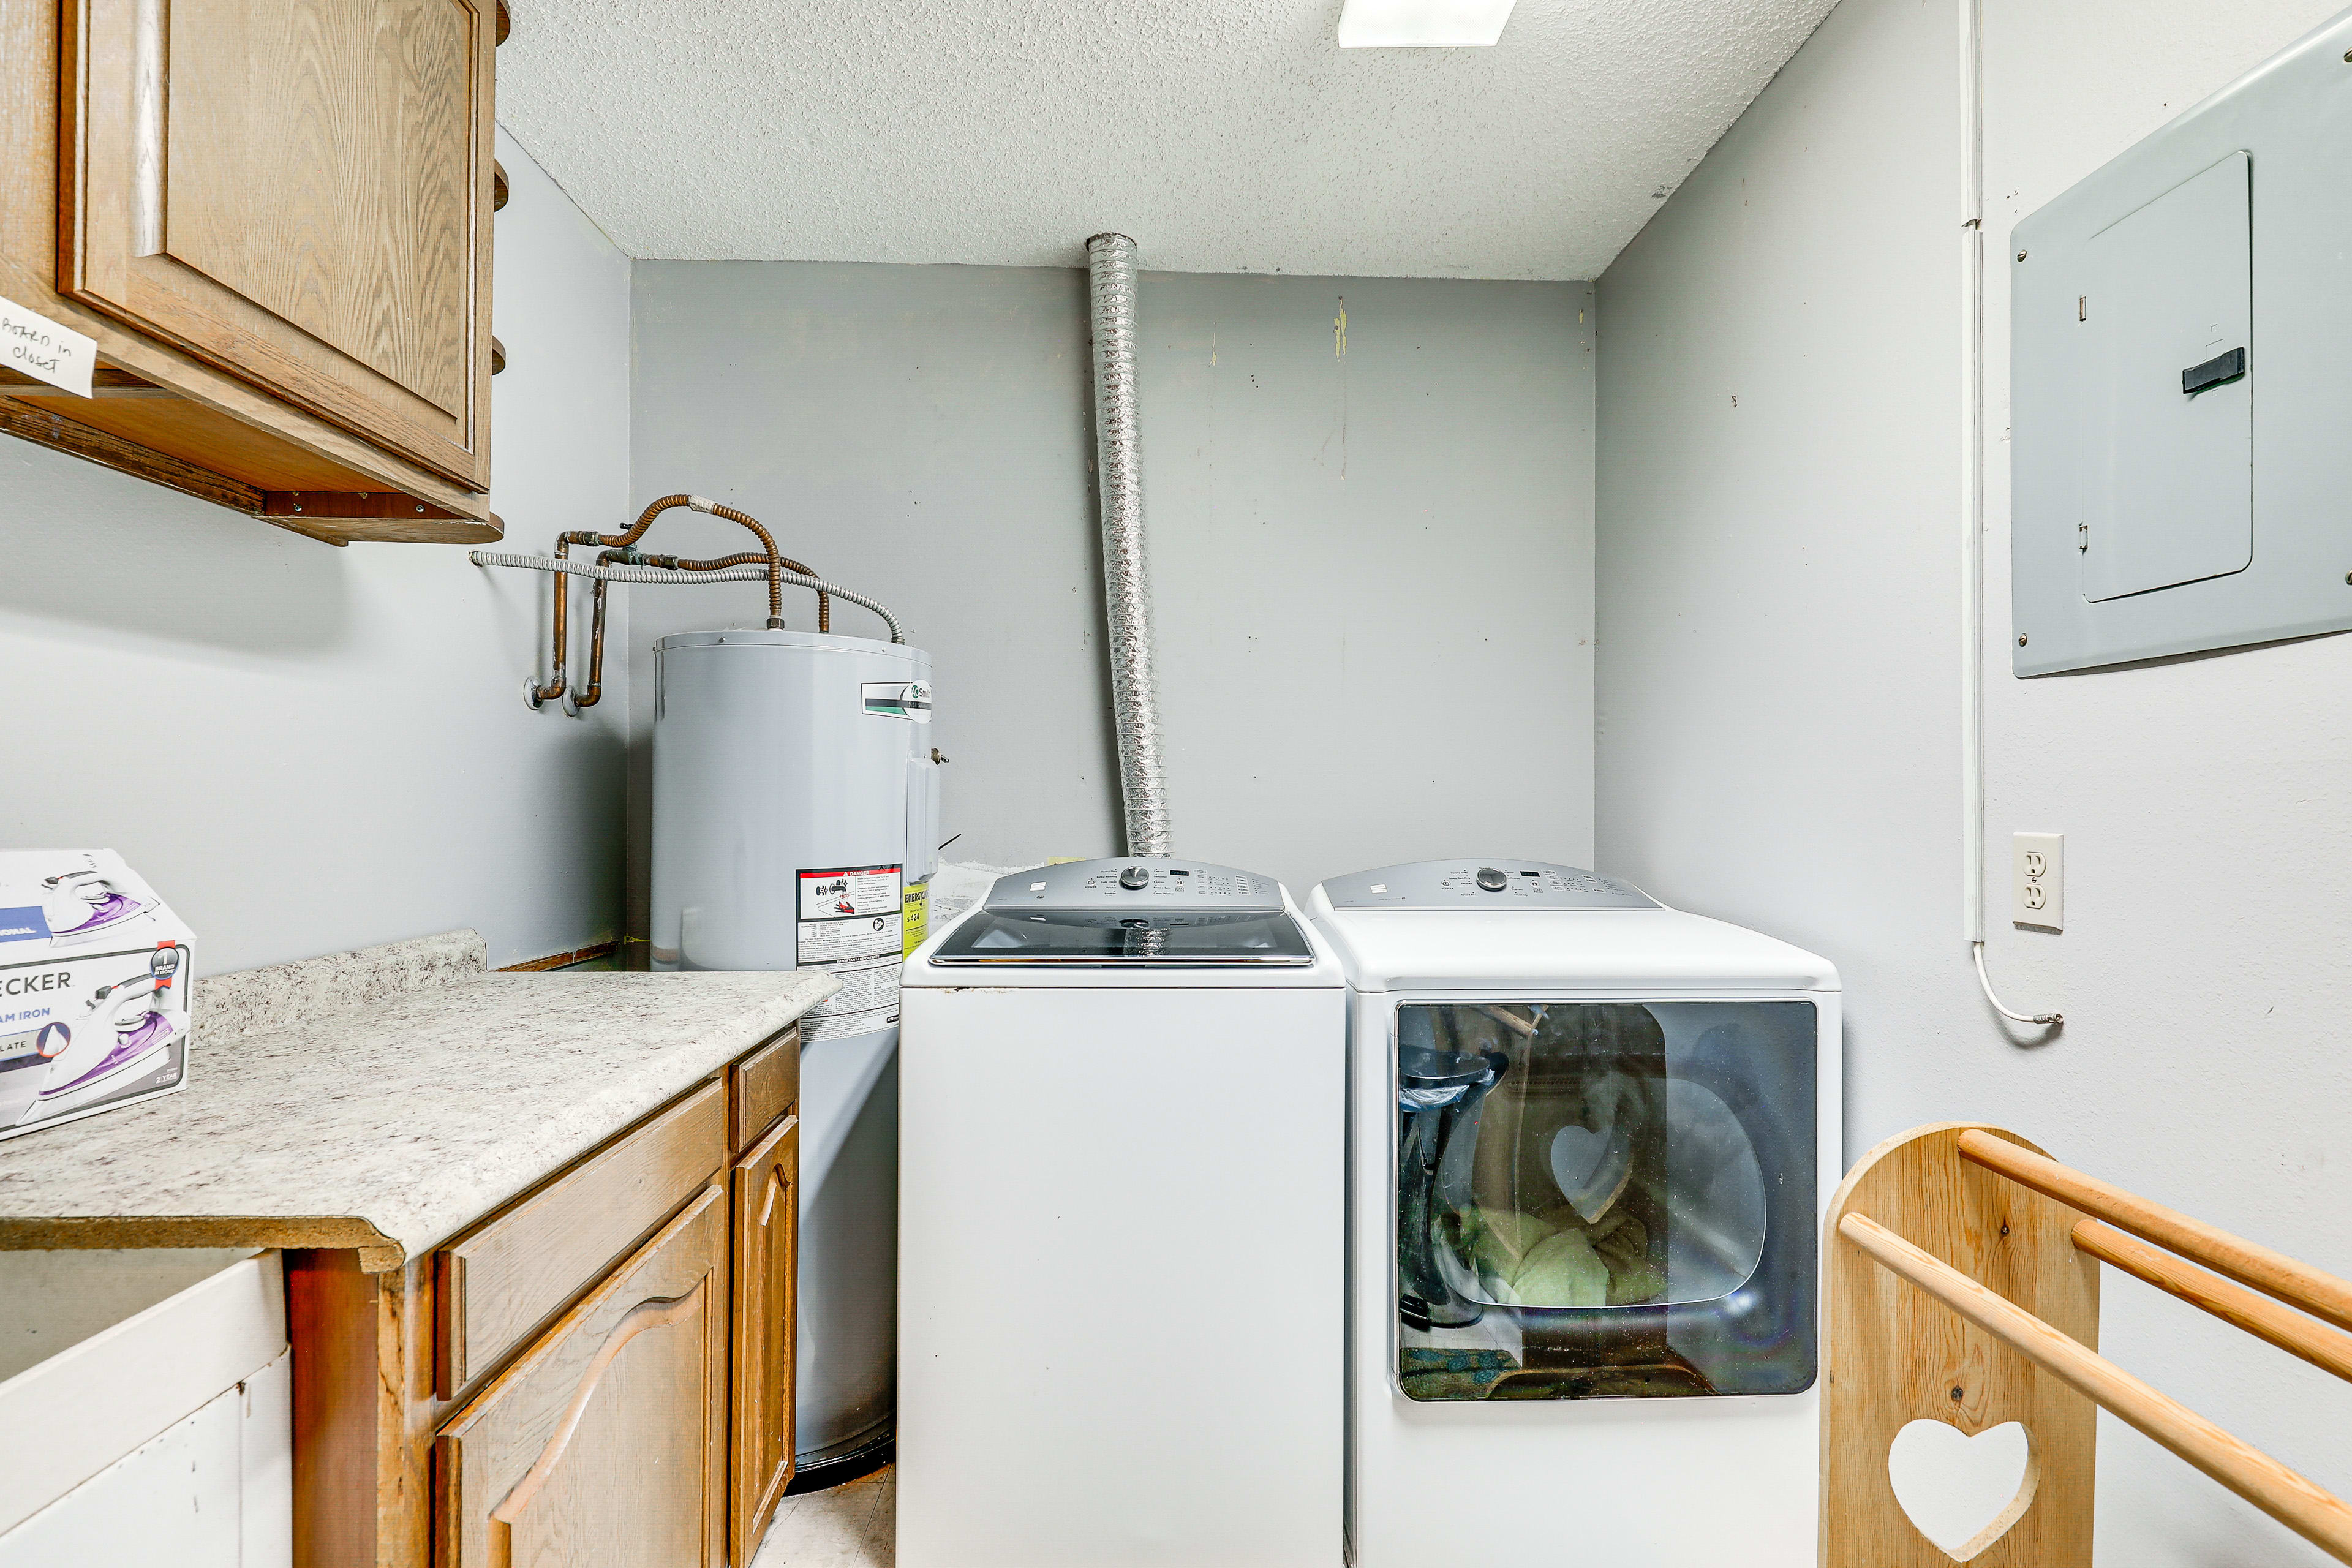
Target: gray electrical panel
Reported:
[(2181, 382)]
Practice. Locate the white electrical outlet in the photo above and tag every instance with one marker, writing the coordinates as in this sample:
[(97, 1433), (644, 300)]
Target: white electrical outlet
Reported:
[(2037, 894)]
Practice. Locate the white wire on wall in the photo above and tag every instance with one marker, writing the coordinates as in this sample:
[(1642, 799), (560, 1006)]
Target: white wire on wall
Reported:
[(1972, 453)]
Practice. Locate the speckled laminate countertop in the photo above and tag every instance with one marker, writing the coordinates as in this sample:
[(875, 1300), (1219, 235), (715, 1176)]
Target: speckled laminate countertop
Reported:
[(390, 1128)]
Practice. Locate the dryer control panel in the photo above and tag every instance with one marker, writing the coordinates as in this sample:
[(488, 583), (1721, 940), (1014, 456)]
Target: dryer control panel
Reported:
[(1483, 884), (1162, 885)]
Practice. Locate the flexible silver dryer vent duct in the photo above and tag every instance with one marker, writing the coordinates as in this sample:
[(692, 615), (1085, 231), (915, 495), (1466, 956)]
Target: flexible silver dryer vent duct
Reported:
[(1118, 465)]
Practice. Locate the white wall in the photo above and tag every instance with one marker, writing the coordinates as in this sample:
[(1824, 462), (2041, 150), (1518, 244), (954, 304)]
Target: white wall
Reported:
[(918, 433), (1373, 568), (1372, 571), (307, 749), (1778, 701)]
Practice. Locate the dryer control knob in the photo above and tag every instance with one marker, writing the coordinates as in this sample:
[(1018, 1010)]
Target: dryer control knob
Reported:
[(1135, 876), (1494, 881)]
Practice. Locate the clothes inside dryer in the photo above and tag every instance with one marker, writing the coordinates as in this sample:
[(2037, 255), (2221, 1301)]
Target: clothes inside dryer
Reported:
[(1605, 1199)]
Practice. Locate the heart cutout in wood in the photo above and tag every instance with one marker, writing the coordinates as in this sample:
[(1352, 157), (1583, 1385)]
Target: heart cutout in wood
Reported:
[(1962, 1492)]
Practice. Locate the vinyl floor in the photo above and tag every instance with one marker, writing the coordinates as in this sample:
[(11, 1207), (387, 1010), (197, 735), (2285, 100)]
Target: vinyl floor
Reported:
[(854, 1525)]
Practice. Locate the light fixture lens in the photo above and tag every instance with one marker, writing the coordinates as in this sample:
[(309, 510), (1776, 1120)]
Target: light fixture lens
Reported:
[(1421, 24)]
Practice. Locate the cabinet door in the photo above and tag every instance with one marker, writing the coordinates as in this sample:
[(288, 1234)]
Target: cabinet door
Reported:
[(297, 192), (604, 1447), (767, 1231)]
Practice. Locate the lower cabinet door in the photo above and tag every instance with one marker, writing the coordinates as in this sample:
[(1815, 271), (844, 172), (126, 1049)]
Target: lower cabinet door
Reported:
[(767, 1230), (604, 1446)]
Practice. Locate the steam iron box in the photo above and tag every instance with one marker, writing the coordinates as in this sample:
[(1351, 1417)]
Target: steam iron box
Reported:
[(94, 981)]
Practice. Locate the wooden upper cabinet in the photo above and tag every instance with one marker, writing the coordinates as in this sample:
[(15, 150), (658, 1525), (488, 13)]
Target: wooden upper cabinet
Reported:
[(298, 193)]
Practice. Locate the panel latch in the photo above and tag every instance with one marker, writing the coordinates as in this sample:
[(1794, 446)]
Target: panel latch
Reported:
[(2213, 372)]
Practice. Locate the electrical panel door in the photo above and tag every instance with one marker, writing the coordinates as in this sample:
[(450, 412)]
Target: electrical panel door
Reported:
[(2167, 472), (2180, 329)]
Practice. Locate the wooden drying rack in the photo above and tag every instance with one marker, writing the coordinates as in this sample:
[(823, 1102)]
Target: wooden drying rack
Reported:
[(2004, 1244)]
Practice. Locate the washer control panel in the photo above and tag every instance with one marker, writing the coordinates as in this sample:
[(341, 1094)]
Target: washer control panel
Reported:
[(1161, 885), (1484, 885)]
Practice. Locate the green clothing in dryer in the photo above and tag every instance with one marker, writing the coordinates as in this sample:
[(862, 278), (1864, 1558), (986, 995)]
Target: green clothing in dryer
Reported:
[(1562, 1271)]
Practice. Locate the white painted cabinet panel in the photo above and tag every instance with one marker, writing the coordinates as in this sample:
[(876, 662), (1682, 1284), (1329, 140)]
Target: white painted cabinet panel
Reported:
[(165, 1437), (266, 1459), (215, 1490), (171, 1500)]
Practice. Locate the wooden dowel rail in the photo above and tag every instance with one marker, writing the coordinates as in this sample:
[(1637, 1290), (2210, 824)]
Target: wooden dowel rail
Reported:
[(2273, 1273), (2235, 1304), (2312, 1512)]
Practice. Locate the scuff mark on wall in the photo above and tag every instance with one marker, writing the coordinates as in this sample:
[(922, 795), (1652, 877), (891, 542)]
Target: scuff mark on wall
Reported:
[(1340, 352)]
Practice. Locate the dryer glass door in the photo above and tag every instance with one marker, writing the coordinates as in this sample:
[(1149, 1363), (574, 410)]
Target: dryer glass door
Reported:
[(1599, 1200)]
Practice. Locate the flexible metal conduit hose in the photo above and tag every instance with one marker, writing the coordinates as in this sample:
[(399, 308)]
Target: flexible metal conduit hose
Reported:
[(602, 574), (1126, 597), (662, 575)]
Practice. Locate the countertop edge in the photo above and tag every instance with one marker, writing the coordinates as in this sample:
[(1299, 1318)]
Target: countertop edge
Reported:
[(378, 1252)]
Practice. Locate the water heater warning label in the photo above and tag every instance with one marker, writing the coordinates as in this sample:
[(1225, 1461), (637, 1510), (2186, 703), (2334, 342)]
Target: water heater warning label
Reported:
[(867, 1001), (851, 920), (849, 913)]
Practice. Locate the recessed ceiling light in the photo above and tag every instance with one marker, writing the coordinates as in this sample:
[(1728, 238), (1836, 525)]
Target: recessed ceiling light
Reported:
[(1421, 24)]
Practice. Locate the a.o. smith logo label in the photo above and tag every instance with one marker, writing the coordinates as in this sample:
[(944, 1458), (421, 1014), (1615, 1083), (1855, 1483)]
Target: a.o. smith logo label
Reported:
[(898, 699)]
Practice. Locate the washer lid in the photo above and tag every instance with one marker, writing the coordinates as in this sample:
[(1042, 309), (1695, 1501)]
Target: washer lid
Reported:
[(1130, 912), (1490, 884)]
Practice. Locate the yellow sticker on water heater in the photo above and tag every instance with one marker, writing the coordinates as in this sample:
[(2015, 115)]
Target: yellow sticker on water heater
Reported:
[(916, 917)]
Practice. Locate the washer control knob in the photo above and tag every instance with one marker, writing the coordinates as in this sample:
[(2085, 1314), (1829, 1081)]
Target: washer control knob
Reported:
[(1494, 881), (1135, 876)]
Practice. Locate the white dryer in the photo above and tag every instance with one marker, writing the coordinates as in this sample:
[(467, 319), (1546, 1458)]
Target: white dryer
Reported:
[(1592, 1139), (1123, 1227)]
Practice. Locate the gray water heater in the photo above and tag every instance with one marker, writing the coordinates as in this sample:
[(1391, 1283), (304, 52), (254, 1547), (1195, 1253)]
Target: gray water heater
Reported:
[(794, 799), (795, 816)]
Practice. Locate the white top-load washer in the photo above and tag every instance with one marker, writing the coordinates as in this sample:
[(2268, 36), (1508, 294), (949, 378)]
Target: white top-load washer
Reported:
[(1123, 1227), (1592, 1140)]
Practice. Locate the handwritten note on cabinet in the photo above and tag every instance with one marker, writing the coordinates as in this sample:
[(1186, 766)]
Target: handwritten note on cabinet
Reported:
[(34, 345)]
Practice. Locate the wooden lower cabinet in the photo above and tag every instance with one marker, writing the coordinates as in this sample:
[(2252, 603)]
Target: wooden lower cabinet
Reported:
[(604, 1444), (502, 1281), (766, 1185)]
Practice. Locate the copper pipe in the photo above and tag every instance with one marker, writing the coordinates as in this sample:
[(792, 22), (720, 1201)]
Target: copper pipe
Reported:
[(776, 563), (595, 688), (595, 641), (678, 564), (635, 531), (556, 680), (620, 548), (595, 650)]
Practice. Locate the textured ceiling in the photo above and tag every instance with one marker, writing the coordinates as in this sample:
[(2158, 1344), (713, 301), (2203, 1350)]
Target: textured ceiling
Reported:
[(1223, 135)]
